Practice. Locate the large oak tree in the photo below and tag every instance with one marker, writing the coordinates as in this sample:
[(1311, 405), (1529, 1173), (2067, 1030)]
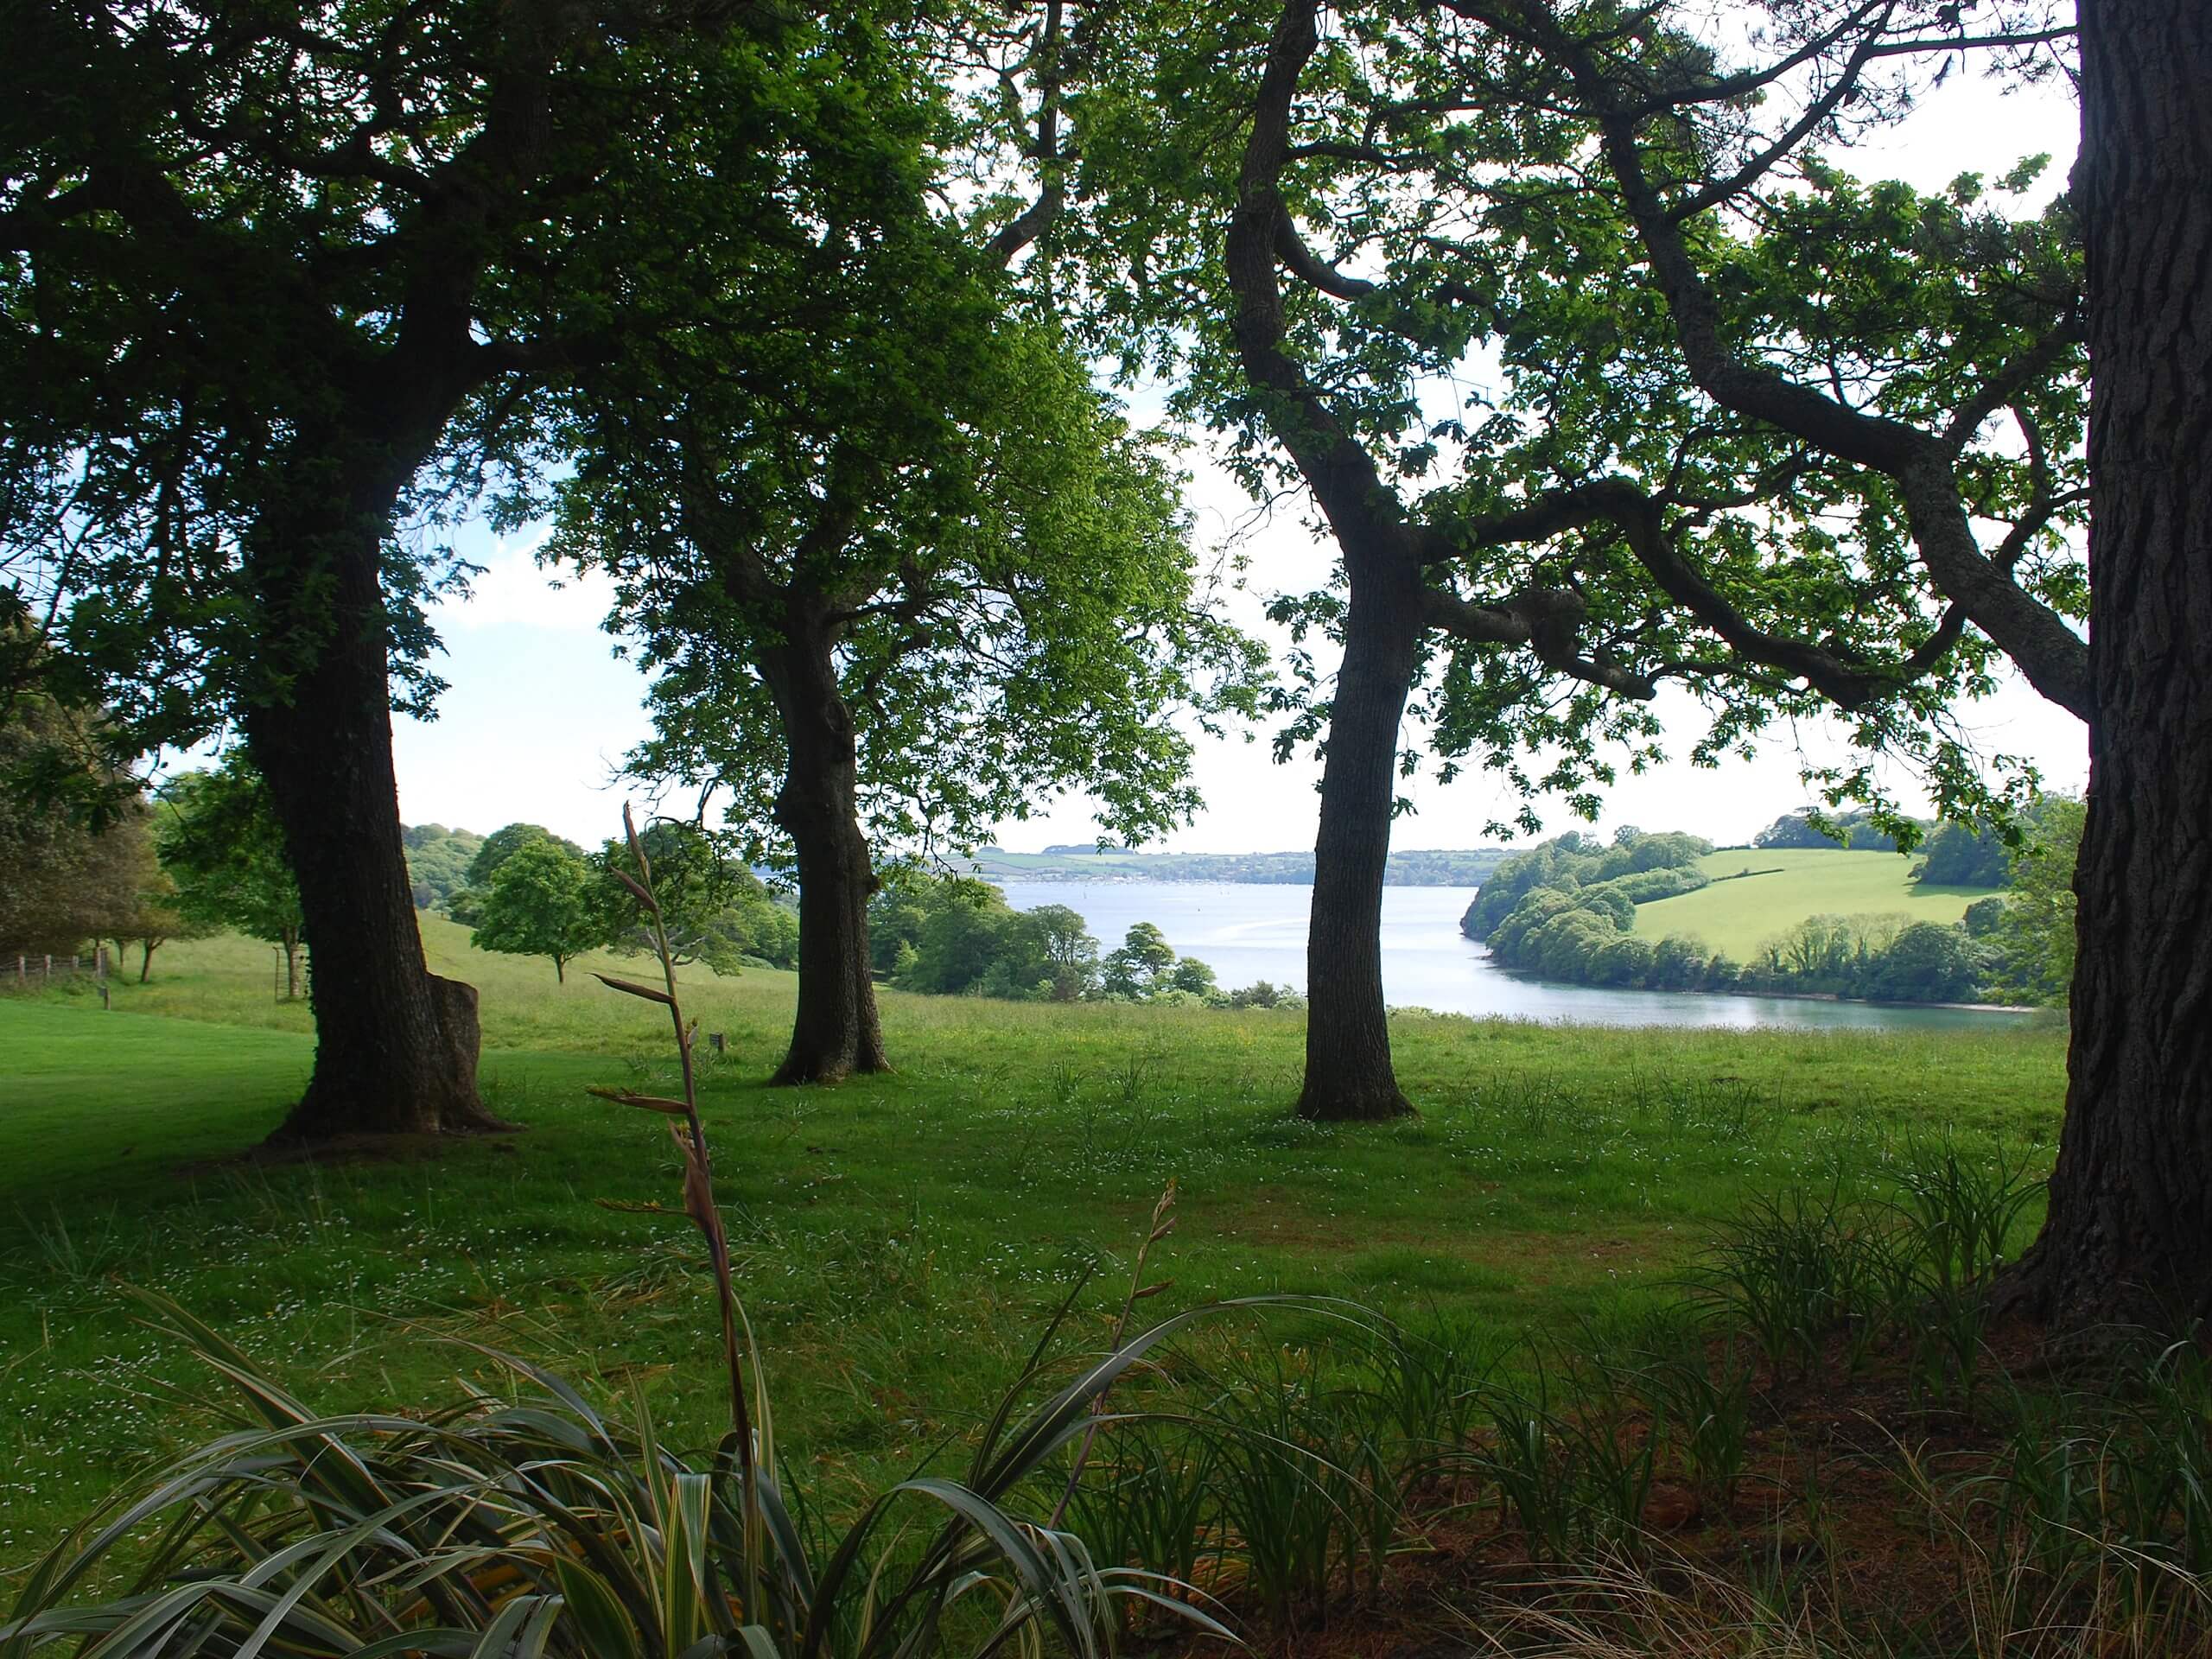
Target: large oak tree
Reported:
[(900, 570), (271, 279), (1601, 380), (1949, 552), (2131, 1198)]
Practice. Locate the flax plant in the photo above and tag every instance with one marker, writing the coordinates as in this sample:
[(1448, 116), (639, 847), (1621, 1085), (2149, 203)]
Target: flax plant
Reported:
[(546, 1530)]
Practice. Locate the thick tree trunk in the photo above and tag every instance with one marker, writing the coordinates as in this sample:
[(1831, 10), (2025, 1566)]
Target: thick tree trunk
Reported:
[(395, 1046), (1348, 1071), (835, 1033), (2129, 1228)]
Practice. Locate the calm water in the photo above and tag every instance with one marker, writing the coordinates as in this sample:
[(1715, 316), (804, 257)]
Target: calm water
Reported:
[(1247, 932)]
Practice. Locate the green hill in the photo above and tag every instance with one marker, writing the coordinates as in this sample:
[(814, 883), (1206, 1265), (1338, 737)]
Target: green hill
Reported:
[(1738, 913)]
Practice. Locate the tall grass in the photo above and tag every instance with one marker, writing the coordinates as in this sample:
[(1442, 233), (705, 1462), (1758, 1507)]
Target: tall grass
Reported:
[(544, 1528)]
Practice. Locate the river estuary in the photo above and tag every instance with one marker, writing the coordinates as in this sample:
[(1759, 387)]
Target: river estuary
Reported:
[(1249, 932)]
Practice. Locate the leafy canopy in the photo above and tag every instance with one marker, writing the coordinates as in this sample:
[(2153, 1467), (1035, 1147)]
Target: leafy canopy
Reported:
[(843, 431), (275, 278), (1572, 316), (219, 841)]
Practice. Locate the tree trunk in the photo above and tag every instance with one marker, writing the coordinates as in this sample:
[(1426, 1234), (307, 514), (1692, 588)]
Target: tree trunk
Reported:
[(1348, 1071), (2131, 1198), (835, 1033), (146, 949), (395, 1047)]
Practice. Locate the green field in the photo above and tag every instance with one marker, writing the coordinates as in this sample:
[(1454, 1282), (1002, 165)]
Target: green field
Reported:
[(899, 1239), (1737, 914)]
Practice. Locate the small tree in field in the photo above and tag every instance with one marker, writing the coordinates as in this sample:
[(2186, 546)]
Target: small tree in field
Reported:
[(152, 919), (540, 904), (219, 841), (1143, 963)]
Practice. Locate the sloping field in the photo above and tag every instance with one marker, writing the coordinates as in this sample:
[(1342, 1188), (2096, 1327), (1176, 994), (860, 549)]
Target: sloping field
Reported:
[(1738, 913)]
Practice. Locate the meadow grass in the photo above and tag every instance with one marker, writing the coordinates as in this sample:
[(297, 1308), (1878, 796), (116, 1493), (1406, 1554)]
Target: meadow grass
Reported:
[(1740, 914), (899, 1239)]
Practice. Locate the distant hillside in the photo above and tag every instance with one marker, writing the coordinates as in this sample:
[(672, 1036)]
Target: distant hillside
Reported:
[(437, 861), (1737, 913), (1467, 868)]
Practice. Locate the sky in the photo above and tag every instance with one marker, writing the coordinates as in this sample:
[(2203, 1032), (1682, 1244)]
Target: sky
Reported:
[(540, 711)]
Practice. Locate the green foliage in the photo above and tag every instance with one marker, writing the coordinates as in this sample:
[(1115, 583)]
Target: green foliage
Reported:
[(2035, 942), (544, 1527), (1568, 910), (1963, 855), (539, 904), (1450, 218), (219, 841), (1637, 868), (438, 861), (952, 934), (715, 909), (155, 918), (1984, 917), (76, 856), (1815, 1273), (857, 496), (1926, 963), (491, 852), (1141, 965), (1859, 830), (502, 844), (1192, 978), (231, 391)]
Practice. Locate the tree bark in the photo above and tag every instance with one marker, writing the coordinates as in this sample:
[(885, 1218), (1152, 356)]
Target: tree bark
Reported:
[(2131, 1197), (395, 1047), (1349, 1075), (834, 1031)]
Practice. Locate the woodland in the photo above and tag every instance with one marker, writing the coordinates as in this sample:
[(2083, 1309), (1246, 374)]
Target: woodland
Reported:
[(818, 335)]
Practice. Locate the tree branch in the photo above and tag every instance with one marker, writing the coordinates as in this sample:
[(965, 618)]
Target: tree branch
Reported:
[(1314, 270)]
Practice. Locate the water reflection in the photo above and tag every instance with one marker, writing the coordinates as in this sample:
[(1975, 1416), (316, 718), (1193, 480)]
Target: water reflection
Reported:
[(1250, 932)]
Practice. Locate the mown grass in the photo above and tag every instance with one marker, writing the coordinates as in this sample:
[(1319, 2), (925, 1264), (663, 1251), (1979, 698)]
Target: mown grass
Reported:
[(1739, 915), (899, 1238)]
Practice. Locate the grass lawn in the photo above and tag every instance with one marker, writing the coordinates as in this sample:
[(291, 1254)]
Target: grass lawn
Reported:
[(899, 1239), (1739, 915)]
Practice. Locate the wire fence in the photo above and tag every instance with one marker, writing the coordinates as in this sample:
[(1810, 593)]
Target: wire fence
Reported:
[(44, 970), (28, 971)]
